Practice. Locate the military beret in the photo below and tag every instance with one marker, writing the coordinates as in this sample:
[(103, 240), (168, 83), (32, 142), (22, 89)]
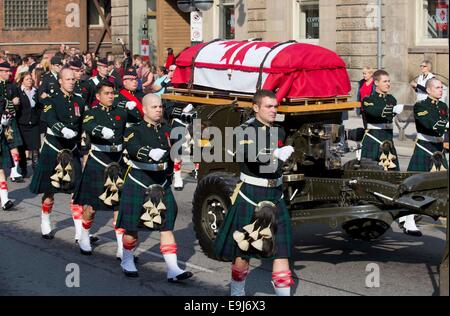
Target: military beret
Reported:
[(130, 73), (5, 66), (76, 64), (56, 60), (102, 62)]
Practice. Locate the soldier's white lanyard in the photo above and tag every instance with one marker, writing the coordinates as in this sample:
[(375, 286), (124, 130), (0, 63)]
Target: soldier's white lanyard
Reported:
[(424, 149), (141, 184), (374, 138)]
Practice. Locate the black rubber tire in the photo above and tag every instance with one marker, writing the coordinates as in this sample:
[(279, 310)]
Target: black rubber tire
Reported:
[(366, 229), (216, 186)]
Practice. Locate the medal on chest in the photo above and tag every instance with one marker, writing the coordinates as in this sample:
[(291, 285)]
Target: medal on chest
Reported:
[(76, 107)]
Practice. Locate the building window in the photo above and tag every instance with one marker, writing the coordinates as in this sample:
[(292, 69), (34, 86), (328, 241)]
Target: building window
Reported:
[(94, 19), (306, 21), (432, 28), (25, 14), (227, 18)]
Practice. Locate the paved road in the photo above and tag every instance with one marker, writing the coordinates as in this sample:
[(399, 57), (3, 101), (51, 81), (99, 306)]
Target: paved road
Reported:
[(325, 261)]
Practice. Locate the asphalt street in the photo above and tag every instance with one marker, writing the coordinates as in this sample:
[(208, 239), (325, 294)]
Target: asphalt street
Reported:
[(325, 262)]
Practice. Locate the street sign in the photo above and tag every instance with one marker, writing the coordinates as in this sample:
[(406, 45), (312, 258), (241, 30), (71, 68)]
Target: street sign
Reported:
[(145, 49), (196, 26)]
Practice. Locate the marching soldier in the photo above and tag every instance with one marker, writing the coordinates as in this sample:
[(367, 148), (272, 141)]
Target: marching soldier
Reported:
[(129, 98), (258, 223), (59, 168), (50, 83), (102, 176), (147, 197), (380, 109), (431, 117), (5, 156), (77, 67), (11, 130), (90, 88)]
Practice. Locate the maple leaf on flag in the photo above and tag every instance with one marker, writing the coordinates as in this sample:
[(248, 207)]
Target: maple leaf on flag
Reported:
[(240, 56)]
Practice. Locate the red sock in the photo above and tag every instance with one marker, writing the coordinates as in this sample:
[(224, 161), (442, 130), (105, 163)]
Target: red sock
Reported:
[(129, 244), (47, 207), (168, 249), (282, 279), (238, 274), (4, 185), (77, 211)]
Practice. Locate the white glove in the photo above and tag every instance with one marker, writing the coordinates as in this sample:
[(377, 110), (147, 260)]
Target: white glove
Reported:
[(130, 105), (107, 133), (5, 120), (398, 108), (446, 126), (283, 153), (188, 108), (68, 133), (157, 154)]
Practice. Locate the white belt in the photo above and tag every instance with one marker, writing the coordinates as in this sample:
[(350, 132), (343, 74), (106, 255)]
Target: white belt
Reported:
[(380, 126), (107, 148), (148, 166), (268, 183), (56, 149), (431, 139)]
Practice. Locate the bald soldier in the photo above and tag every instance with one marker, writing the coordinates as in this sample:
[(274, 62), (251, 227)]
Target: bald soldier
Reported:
[(147, 197), (431, 117), (59, 168)]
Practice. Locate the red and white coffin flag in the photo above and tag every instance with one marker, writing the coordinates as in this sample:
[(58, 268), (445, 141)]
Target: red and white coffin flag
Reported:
[(292, 70)]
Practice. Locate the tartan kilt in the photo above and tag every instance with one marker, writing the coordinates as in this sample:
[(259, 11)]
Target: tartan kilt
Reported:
[(241, 213), (92, 183), (17, 138), (6, 161), (133, 197), (421, 160), (371, 149), (41, 183)]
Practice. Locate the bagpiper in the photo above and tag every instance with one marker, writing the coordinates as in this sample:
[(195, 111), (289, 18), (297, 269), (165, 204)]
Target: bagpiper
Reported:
[(431, 117), (380, 108), (5, 156), (147, 198), (102, 176), (59, 167), (258, 223)]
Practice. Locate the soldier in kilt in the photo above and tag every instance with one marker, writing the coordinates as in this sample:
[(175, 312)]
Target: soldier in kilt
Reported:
[(258, 223), (102, 175), (147, 197), (60, 152), (5, 156), (380, 108), (431, 117), (12, 132)]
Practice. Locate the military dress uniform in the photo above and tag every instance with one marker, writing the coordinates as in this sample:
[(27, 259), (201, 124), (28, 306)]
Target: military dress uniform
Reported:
[(49, 85), (12, 131), (143, 172), (60, 111), (257, 185), (102, 154), (5, 155), (125, 96), (379, 109), (431, 117)]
